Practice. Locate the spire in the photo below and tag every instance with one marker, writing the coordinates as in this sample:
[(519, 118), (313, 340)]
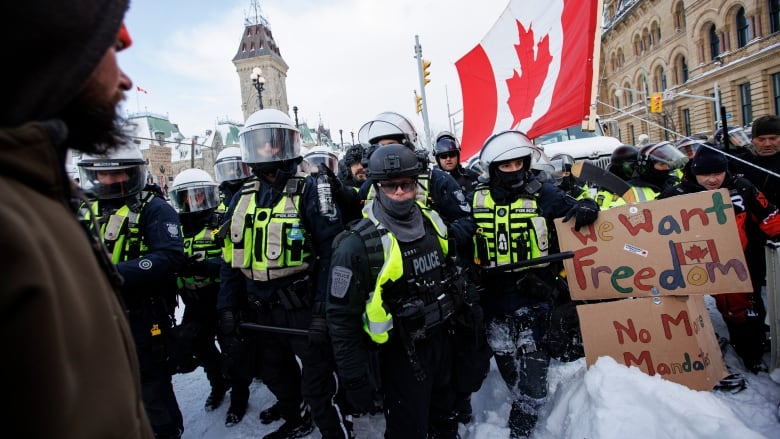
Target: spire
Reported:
[(257, 39)]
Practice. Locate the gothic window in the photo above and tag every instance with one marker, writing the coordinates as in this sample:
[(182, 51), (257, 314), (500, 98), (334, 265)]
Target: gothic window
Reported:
[(714, 43), (743, 30)]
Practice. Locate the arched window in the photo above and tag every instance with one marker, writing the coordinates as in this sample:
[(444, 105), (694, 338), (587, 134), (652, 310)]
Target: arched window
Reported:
[(637, 45), (743, 30), (774, 16), (714, 43), (679, 16), (661, 77), (683, 70)]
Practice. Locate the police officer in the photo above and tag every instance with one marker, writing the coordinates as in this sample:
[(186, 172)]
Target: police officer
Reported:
[(230, 173), (276, 258), (142, 232), (446, 150), (436, 189), (513, 214), (562, 164), (393, 286), (195, 196), (658, 166)]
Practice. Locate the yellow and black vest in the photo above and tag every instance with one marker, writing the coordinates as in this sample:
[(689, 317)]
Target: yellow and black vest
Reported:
[(259, 241), (205, 245), (507, 234), (119, 230)]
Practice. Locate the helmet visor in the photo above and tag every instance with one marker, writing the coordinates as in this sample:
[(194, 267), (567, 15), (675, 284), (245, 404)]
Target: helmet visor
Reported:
[(314, 160), (112, 182), (194, 198), (266, 145), (668, 154), (231, 171)]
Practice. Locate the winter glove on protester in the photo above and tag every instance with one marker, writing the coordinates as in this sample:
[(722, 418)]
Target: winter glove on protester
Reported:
[(585, 212), (360, 395), (318, 328), (755, 202)]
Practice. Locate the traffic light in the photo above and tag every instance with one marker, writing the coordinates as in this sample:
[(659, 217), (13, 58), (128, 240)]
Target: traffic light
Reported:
[(426, 73), (656, 103), (418, 98)]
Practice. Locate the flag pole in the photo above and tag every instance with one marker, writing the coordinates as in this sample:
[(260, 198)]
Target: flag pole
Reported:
[(137, 101), (590, 123)]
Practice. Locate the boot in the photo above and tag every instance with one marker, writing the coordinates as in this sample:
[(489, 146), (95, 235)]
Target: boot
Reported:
[(462, 411), (271, 414), (521, 421), (235, 413), (215, 398), (293, 428)]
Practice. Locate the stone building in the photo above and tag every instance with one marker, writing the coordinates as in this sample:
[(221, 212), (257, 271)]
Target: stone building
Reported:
[(687, 51)]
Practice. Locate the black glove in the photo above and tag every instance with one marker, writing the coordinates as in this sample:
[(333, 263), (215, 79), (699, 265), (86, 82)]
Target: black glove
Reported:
[(360, 395), (335, 183), (228, 323), (318, 328), (195, 267), (755, 202), (585, 212)]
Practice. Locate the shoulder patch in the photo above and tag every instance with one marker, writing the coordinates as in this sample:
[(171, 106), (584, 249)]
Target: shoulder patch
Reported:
[(173, 230), (339, 283)]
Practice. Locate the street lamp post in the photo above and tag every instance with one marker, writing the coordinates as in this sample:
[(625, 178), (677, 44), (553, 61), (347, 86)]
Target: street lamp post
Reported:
[(341, 135), (295, 112), (259, 82), (619, 93), (352, 133)]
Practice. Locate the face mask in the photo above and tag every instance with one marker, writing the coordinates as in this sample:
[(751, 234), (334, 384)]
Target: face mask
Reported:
[(396, 209), (510, 180)]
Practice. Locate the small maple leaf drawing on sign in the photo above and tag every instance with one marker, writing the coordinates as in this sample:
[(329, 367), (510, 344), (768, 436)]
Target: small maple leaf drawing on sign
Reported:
[(525, 87), (697, 253)]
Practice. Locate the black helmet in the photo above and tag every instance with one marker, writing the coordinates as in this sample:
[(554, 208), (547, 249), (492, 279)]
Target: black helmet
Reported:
[(445, 142), (392, 161), (624, 160)]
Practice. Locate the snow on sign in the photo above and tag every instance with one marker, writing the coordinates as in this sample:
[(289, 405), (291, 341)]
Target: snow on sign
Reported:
[(532, 72), (670, 336), (676, 246)]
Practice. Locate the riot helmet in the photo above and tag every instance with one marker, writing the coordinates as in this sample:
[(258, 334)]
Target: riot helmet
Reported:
[(663, 153), (321, 155), (506, 146), (388, 125), (624, 161), (193, 191), (688, 146), (562, 164), (119, 173), (229, 168), (392, 161), (269, 140)]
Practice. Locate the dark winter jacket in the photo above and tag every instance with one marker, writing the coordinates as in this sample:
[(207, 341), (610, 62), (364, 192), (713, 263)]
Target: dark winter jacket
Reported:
[(70, 368)]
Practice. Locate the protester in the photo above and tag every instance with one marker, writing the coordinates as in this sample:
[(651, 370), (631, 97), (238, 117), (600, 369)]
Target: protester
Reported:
[(62, 315)]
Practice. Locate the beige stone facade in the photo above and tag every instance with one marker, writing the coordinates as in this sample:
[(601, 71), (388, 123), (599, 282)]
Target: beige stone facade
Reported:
[(684, 47)]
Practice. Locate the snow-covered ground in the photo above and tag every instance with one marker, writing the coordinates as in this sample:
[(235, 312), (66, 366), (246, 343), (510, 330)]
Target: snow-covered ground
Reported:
[(606, 401)]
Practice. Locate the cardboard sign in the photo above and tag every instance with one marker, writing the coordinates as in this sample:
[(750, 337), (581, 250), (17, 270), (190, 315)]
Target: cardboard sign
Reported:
[(673, 338), (688, 244)]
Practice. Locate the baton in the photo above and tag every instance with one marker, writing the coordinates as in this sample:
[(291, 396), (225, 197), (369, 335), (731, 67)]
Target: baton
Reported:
[(530, 262), (276, 329)]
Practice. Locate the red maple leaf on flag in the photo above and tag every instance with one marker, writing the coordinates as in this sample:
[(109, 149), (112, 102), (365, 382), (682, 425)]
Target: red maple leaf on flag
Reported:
[(697, 253), (525, 87)]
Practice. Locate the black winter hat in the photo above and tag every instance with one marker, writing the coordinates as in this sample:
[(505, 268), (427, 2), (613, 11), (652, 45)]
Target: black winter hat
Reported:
[(708, 161), (765, 125), (54, 48)]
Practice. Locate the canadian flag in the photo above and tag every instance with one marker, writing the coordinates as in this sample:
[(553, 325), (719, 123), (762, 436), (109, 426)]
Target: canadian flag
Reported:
[(141, 90), (532, 72)]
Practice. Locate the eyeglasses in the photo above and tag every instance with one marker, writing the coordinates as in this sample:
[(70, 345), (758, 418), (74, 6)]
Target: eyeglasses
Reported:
[(390, 187), (447, 155)]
